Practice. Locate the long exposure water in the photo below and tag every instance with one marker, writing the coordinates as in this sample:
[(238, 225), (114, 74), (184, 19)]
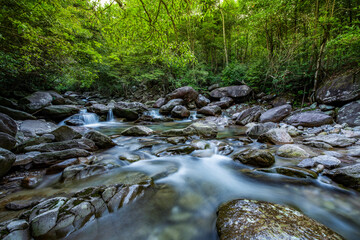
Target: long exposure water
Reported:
[(191, 187)]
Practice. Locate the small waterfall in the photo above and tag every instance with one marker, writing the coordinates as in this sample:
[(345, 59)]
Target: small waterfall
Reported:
[(110, 116), (88, 118), (193, 115), (154, 113)]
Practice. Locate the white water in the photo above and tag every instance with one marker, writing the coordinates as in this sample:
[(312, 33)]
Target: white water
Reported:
[(88, 118), (110, 116)]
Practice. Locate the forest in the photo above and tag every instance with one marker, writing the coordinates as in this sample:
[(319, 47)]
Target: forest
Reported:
[(116, 47)]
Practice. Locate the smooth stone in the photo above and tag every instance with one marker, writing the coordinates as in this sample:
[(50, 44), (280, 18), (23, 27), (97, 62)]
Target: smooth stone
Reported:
[(16, 114), (137, 131), (202, 101), (101, 140), (188, 94), (238, 92), (348, 176), (82, 143), (255, 130), (309, 119), (8, 125), (276, 136), (210, 110), (31, 128), (249, 115), (250, 219), (350, 114), (65, 133), (255, 157), (325, 160), (58, 112), (180, 112), (54, 157), (276, 114), (294, 150), (7, 159), (166, 108), (335, 140)]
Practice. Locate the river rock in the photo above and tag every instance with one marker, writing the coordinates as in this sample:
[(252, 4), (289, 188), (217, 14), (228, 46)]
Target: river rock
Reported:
[(99, 109), (180, 112), (129, 114), (224, 102), (7, 159), (176, 140), (350, 114), (83, 143), (46, 138), (276, 136), (176, 150), (201, 101), (201, 129), (7, 125), (37, 101), (237, 92), (339, 90), (54, 157), (255, 157), (65, 133), (325, 160), (210, 110), (100, 139), (137, 131), (297, 172), (276, 114), (81, 171), (188, 94), (159, 103), (256, 130), (16, 114), (250, 219), (59, 112), (348, 176), (249, 115), (74, 122), (309, 119), (32, 128), (294, 150), (25, 160), (334, 140), (7, 141), (166, 109), (134, 106)]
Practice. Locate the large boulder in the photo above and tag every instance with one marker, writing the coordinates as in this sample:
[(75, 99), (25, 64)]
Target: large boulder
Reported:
[(7, 141), (250, 219), (59, 112), (7, 159), (54, 157), (201, 129), (348, 176), (276, 136), (238, 92), (249, 115), (255, 157), (128, 114), (100, 139), (325, 160), (224, 102), (98, 108), (340, 89), (37, 101), (294, 151), (16, 114), (201, 101), (134, 106), (188, 94), (350, 114), (276, 114), (65, 133), (258, 129), (32, 128), (212, 110), (334, 140), (166, 108), (309, 119), (180, 112), (137, 131), (83, 143), (7, 125), (159, 103)]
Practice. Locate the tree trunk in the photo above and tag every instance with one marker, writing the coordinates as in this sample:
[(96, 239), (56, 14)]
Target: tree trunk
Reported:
[(224, 37)]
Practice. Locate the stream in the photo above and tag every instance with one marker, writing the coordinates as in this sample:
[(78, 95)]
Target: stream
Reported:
[(191, 187)]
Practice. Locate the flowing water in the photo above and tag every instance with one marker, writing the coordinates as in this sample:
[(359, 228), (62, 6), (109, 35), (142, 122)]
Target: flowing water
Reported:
[(191, 187)]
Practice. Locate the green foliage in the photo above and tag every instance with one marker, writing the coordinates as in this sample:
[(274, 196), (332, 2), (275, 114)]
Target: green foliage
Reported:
[(234, 74), (271, 45)]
